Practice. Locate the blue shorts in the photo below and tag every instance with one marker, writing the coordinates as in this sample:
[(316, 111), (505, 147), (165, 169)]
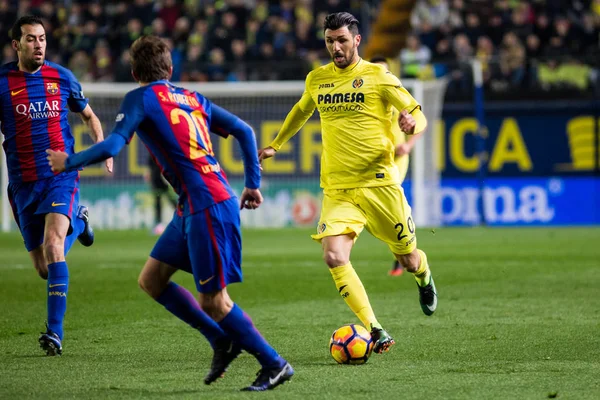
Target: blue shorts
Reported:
[(208, 244), (31, 201)]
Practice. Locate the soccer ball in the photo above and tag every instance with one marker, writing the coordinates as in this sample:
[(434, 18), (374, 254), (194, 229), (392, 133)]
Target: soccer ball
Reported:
[(351, 344)]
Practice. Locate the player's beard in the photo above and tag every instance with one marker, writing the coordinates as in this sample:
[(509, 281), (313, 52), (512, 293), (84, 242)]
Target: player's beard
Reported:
[(347, 60), (31, 64)]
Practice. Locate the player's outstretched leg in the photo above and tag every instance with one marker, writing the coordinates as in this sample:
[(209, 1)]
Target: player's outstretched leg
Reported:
[(396, 270), (354, 294), (181, 303), (275, 370), (86, 237), (427, 290), (155, 280)]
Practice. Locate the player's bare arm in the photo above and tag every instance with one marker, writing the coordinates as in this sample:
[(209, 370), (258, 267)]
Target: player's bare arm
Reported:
[(405, 148), (93, 123)]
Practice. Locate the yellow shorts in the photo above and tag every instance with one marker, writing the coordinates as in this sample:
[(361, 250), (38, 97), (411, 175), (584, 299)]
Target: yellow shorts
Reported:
[(383, 210), (402, 164)]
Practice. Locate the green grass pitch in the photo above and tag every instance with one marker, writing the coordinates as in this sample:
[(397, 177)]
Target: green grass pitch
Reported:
[(518, 318)]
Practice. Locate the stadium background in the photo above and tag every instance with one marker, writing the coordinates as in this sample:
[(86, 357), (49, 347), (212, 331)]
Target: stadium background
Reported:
[(519, 309), (540, 62)]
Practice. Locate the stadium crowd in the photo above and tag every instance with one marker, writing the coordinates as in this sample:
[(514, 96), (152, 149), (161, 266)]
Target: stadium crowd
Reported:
[(530, 45), (233, 40)]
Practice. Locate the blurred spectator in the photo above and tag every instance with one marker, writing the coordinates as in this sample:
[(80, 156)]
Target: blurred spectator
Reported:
[(292, 66), (533, 49), (522, 44), (143, 10), (431, 12), (512, 59), (216, 70), (8, 54), (81, 66), (102, 69), (460, 76), (414, 57), (239, 61), (123, 68), (177, 59), (158, 28), (520, 25), (485, 53), (473, 28), (169, 11), (192, 63), (88, 37), (7, 17)]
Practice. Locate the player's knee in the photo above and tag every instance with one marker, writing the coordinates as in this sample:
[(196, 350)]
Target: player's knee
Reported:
[(144, 284), (54, 251), (410, 261), (148, 285), (335, 258)]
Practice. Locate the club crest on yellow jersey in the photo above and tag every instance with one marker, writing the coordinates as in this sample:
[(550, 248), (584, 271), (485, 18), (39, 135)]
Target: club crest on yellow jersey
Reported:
[(321, 228), (358, 82)]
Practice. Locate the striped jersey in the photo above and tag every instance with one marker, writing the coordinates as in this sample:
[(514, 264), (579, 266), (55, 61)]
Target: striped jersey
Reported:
[(33, 117), (175, 124)]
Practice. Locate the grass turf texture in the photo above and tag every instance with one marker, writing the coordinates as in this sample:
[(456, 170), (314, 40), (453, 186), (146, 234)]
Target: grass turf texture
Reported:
[(518, 317)]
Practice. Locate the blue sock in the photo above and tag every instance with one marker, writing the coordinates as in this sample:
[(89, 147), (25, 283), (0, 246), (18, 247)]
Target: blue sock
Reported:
[(181, 303), (78, 227), (238, 325), (58, 286)]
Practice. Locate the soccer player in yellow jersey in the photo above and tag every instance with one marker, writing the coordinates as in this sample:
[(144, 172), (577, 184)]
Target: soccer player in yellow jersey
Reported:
[(403, 147), (360, 181)]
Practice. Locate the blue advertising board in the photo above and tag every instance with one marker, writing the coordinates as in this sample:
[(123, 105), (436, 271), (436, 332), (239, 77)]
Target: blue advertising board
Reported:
[(519, 201)]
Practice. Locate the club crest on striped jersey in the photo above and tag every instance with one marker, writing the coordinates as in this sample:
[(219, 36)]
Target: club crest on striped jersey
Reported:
[(52, 87), (358, 82)]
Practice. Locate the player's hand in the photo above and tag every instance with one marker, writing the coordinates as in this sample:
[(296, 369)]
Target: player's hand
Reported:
[(407, 123), (265, 153), (250, 199), (109, 165), (57, 160), (403, 149)]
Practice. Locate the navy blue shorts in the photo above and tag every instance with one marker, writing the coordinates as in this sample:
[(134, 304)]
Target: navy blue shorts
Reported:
[(31, 201), (208, 244)]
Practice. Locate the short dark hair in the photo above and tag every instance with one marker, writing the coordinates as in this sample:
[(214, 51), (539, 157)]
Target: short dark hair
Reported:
[(150, 59), (378, 59), (15, 31), (339, 20)]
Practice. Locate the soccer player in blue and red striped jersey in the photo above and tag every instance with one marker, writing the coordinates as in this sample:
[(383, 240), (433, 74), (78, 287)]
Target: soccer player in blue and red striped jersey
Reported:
[(35, 98), (204, 235)]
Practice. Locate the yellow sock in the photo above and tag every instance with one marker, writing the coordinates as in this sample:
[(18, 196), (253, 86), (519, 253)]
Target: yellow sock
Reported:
[(422, 275), (353, 292)]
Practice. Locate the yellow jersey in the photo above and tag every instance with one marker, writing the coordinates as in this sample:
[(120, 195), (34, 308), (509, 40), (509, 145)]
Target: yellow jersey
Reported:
[(355, 105)]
